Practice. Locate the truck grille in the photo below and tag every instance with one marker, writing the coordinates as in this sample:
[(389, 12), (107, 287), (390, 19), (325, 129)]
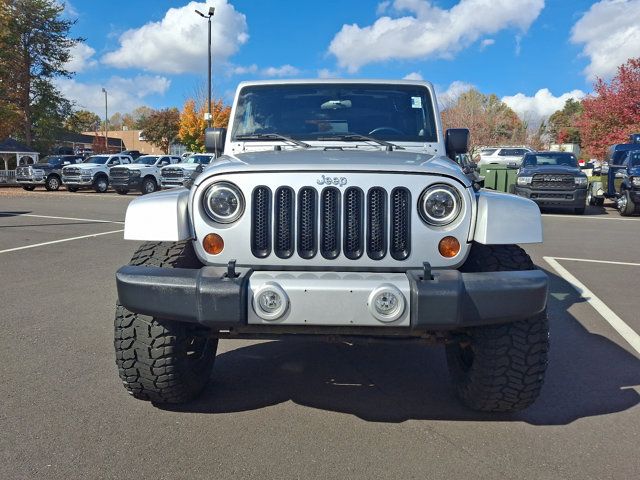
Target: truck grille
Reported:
[(331, 222), (546, 181), (173, 173), (71, 172), (119, 174), (24, 172)]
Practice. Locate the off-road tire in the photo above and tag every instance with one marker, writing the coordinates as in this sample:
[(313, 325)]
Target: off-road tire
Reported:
[(121, 191), (29, 188), (152, 354), (499, 368), (52, 183), (628, 207)]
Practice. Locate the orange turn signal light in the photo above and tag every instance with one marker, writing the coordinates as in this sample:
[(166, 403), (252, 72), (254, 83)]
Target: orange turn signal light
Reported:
[(449, 247), (213, 244)]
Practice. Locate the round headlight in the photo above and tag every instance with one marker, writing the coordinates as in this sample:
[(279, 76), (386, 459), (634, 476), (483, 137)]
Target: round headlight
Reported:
[(224, 202), (440, 205)]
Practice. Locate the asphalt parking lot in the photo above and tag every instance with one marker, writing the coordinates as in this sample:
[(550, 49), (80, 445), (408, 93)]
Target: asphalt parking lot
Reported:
[(303, 409)]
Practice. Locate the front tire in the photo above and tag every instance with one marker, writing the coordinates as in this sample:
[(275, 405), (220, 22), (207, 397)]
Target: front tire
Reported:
[(625, 205), (161, 360), (52, 184), (149, 185), (101, 184), (499, 368)]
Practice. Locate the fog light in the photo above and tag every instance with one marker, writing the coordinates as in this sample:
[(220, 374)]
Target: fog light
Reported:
[(213, 244), (449, 247), (386, 303), (270, 301)]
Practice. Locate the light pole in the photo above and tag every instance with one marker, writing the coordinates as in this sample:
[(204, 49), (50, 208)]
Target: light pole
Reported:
[(212, 10), (106, 121)]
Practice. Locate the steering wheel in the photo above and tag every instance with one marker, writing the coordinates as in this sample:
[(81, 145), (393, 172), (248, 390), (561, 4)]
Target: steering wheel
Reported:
[(387, 129)]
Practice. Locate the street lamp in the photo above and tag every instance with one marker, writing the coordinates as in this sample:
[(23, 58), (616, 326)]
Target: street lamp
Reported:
[(208, 17), (106, 120)]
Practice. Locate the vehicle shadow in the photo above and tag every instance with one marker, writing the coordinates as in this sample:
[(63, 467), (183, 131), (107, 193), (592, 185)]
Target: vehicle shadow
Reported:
[(588, 375)]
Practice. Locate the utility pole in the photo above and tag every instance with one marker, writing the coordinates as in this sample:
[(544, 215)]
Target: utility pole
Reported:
[(208, 116), (106, 122)]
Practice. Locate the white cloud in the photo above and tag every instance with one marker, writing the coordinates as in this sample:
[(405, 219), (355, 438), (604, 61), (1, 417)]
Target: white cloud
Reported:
[(383, 7), (178, 42), (451, 94), (487, 42), (69, 10), (81, 58), (326, 73), (429, 31), (610, 33), (541, 105), (413, 76), (244, 70), (283, 71), (124, 94)]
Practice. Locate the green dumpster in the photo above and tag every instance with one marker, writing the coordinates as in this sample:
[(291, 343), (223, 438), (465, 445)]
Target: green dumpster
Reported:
[(498, 177)]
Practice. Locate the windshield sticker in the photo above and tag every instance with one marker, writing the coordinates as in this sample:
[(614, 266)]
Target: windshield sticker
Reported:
[(416, 102)]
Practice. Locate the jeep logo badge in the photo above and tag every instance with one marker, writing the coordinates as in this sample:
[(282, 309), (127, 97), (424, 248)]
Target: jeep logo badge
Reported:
[(337, 181)]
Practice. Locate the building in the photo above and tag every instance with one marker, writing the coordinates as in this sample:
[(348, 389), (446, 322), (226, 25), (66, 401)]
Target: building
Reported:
[(130, 140)]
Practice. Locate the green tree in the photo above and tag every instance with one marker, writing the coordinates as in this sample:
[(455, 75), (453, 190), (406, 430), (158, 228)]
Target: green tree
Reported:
[(563, 124), (82, 121), (162, 127), (35, 45)]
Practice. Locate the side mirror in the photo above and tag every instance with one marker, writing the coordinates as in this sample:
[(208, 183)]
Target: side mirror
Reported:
[(456, 141), (214, 139), (513, 166)]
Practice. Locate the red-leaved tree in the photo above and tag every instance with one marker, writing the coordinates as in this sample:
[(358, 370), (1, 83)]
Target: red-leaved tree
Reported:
[(613, 111)]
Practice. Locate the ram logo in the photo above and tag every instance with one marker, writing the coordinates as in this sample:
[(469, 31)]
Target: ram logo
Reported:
[(337, 181)]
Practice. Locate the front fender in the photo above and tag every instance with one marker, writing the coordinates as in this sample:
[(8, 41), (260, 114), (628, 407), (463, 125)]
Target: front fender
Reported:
[(161, 216), (506, 219)]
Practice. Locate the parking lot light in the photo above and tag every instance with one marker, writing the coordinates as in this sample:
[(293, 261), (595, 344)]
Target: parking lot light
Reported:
[(208, 17)]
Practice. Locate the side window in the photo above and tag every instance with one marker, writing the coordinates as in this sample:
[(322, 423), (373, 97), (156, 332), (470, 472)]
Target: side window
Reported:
[(114, 161), (124, 160), (503, 152), (164, 161), (625, 162)]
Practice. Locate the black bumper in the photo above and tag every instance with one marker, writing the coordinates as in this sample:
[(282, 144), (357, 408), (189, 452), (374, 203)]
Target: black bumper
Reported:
[(130, 184), (563, 198), (449, 301)]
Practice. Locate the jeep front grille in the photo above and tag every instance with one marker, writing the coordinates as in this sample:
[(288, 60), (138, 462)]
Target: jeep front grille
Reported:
[(331, 222)]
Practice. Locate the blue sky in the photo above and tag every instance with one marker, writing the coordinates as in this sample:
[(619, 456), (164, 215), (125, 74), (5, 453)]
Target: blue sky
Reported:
[(532, 53)]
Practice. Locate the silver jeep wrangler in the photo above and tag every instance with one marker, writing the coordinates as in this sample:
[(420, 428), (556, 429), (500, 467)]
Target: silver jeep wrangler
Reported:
[(334, 209)]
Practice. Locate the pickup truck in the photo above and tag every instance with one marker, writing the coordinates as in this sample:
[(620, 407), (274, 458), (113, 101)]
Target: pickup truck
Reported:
[(47, 172), (334, 210), (93, 172), (182, 174), (142, 175)]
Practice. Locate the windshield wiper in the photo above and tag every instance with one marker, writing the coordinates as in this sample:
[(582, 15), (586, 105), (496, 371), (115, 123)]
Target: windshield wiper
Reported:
[(354, 137), (272, 136)]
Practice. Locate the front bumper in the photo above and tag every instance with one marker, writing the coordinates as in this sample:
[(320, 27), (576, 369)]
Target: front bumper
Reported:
[(82, 181), (33, 181), (565, 198), (172, 182), (451, 300), (130, 184)]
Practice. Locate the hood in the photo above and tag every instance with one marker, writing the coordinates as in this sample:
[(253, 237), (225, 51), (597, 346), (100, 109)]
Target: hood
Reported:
[(42, 166), (135, 166), (321, 160), (635, 171), (185, 166), (551, 170), (86, 166)]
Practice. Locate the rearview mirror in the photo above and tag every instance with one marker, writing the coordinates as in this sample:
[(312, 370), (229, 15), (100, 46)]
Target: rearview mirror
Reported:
[(456, 141), (214, 139)]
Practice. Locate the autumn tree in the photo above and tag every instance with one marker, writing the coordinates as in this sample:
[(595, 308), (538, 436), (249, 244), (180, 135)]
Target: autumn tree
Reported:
[(563, 124), (82, 121), (192, 125), (490, 120), (35, 46), (613, 111), (161, 127)]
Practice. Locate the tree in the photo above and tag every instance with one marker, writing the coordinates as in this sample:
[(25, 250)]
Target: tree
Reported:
[(192, 126), (161, 128), (135, 119), (613, 111), (34, 48), (490, 120), (563, 124), (82, 121), (116, 121)]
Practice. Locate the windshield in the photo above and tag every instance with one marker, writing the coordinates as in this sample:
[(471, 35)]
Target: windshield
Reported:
[(550, 159), (311, 111), (150, 160), (201, 159), (102, 159), (51, 160), (635, 159)]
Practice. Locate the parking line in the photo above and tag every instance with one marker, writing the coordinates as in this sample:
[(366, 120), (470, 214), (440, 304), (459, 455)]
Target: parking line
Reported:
[(624, 330), (589, 217), (610, 262), (3, 214), (24, 247)]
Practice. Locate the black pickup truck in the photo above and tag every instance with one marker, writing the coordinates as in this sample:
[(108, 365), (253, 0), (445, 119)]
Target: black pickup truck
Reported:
[(552, 179), (618, 178), (47, 172)]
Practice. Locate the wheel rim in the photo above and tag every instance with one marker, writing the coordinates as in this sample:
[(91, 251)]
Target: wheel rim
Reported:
[(54, 184), (149, 187), (622, 203), (589, 198), (102, 185)]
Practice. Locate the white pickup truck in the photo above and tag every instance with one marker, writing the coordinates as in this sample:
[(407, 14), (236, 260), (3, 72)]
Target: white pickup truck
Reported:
[(503, 155), (93, 172), (143, 174), (180, 175)]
